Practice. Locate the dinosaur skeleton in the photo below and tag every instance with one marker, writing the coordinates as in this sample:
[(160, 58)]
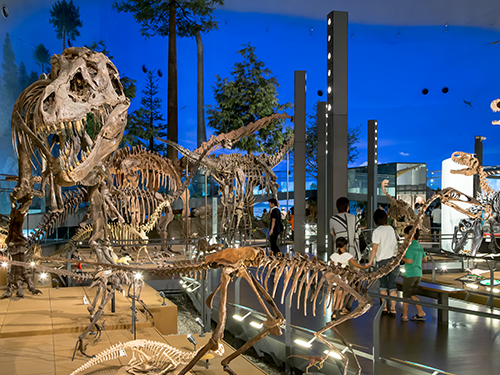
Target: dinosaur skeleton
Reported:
[(314, 360), (238, 175), (49, 131), (308, 277), (398, 209), (148, 356), (489, 201)]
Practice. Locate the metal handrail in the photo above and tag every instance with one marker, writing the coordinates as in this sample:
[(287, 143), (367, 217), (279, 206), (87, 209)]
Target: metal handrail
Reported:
[(377, 360)]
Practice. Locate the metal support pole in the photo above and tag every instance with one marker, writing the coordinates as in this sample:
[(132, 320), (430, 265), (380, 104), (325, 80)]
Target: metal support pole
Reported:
[(113, 301), (376, 340), (299, 183), (323, 229), (478, 150), (133, 308), (288, 332), (214, 217), (206, 204)]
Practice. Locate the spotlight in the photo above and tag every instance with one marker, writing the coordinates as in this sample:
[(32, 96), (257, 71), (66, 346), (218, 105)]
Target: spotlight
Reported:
[(32, 264), (162, 295), (57, 282), (200, 322), (425, 91), (304, 343), (256, 325), (5, 11), (5, 264), (138, 276), (43, 276), (241, 318), (192, 340)]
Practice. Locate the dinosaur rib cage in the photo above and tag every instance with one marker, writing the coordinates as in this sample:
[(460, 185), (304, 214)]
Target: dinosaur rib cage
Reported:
[(52, 220), (136, 205), (316, 276)]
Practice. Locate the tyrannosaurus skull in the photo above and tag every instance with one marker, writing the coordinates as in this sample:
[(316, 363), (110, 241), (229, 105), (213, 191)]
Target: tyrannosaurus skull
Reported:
[(81, 82)]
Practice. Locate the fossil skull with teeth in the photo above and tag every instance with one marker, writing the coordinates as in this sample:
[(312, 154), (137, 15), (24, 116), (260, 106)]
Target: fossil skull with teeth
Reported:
[(82, 82)]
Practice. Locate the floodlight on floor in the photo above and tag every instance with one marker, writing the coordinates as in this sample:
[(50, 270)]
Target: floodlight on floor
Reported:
[(256, 325), (241, 318), (305, 344), (162, 295), (190, 290), (472, 286), (191, 340)]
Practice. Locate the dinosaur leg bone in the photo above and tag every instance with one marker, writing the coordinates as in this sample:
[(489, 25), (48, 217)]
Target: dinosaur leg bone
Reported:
[(272, 324), (218, 333)]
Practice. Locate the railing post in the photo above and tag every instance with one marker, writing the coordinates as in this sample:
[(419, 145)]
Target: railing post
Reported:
[(376, 340)]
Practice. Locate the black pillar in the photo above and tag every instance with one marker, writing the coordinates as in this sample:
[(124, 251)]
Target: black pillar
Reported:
[(372, 172), (321, 178), (299, 168), (337, 24)]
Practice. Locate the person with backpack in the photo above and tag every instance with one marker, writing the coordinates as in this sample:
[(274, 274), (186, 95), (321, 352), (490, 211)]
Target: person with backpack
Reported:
[(275, 225), (345, 224)]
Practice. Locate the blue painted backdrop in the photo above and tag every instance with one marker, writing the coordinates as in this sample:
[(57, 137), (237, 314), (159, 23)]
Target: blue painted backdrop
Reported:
[(388, 69)]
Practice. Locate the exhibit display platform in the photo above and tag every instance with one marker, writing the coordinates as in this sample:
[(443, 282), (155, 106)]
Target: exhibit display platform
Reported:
[(64, 311), (38, 333)]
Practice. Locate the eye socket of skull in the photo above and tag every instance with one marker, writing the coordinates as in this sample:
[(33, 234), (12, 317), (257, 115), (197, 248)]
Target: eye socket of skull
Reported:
[(79, 86), (113, 77), (92, 68), (48, 102)]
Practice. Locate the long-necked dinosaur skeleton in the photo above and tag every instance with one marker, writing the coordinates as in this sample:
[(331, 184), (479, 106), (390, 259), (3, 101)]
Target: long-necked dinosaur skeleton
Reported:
[(238, 175)]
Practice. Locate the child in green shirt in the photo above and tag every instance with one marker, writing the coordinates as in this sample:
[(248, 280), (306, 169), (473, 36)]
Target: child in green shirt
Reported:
[(413, 274)]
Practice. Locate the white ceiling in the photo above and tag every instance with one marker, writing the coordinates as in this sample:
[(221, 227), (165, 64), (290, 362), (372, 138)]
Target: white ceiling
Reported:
[(474, 13)]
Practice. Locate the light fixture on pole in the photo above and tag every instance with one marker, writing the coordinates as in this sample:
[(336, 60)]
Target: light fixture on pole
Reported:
[(192, 340), (202, 325), (162, 295)]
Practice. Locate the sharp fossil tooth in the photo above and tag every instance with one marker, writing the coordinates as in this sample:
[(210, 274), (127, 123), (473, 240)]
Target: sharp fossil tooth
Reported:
[(61, 125), (71, 168)]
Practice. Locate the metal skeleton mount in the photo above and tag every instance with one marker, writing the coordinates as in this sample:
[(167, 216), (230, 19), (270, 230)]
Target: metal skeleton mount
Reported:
[(316, 280), (50, 137), (489, 201), (238, 175), (149, 357)]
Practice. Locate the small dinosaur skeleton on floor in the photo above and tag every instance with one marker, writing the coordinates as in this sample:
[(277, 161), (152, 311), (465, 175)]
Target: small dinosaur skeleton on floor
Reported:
[(148, 357)]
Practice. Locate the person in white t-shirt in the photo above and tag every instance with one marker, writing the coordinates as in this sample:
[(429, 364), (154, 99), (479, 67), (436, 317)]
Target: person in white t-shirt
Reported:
[(384, 250), (343, 258)]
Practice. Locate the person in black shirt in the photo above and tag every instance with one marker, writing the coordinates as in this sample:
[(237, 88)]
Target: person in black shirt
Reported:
[(275, 226)]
